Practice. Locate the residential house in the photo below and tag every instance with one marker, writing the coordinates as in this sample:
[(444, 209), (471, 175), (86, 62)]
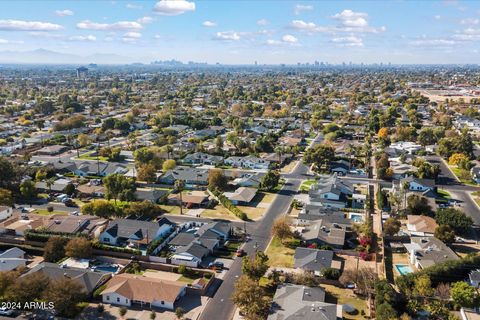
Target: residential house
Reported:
[(152, 195), (57, 186), (5, 212), (405, 147), (190, 176), (190, 199), (136, 233), (421, 225), (248, 180), (241, 196), (311, 213), (247, 162), (428, 251), (103, 169), (86, 224), (11, 259), (127, 289), (292, 301), (198, 241), (330, 191), (322, 232), (313, 260), (202, 158), (341, 167), (474, 278), (89, 280), (91, 190), (51, 150), (416, 184)]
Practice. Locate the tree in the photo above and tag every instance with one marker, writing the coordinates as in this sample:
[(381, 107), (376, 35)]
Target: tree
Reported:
[(65, 294), (54, 249), (6, 198), (385, 311), (27, 288), (270, 180), (383, 133), (7, 279), (418, 205), (457, 158), (364, 278), (391, 226), (69, 189), (144, 209), (79, 248), (250, 298), (147, 172), (100, 208), (118, 186), (423, 286), (179, 186), (445, 234), (83, 140), (255, 268), (179, 312), (281, 229), (28, 190), (217, 180), (153, 315), (455, 218), (320, 155), (169, 165), (465, 295)]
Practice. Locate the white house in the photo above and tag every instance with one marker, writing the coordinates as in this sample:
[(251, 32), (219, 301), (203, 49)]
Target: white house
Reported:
[(127, 289), (248, 162), (5, 212)]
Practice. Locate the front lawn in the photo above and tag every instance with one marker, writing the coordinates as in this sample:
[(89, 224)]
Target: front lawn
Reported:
[(89, 156), (229, 251), (172, 209), (279, 255), (45, 212), (219, 212), (306, 185), (463, 175)]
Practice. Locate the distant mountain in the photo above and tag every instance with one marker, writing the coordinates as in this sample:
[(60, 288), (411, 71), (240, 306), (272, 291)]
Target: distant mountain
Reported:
[(53, 57)]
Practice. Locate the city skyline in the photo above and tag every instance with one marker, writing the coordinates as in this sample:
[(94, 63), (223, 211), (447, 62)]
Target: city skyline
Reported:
[(241, 32)]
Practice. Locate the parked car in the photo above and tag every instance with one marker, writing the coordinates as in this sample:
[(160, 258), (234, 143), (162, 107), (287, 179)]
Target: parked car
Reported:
[(6, 312), (240, 253), (216, 264)]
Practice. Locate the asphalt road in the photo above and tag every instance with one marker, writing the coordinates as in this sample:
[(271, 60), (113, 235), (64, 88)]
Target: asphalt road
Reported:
[(220, 306)]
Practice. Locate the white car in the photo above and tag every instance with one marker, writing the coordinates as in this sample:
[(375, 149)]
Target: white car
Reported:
[(6, 312)]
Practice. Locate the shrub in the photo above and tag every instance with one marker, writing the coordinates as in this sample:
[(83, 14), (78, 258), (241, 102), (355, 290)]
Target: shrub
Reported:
[(331, 273)]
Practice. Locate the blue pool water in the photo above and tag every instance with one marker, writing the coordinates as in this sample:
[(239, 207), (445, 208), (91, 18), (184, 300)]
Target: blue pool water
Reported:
[(356, 218), (112, 269), (403, 269)]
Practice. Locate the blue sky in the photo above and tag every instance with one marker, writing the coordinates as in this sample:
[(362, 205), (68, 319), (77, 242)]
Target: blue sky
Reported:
[(246, 31)]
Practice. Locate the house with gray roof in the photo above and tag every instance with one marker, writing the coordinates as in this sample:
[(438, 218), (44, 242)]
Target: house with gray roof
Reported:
[(321, 232), (247, 162), (295, 302), (191, 176), (89, 280), (136, 233), (12, 259), (474, 278), (428, 251), (202, 158), (330, 191), (311, 213), (313, 260)]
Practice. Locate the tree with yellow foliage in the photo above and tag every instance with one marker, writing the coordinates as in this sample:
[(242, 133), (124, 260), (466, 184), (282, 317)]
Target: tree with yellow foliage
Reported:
[(457, 158), (383, 133)]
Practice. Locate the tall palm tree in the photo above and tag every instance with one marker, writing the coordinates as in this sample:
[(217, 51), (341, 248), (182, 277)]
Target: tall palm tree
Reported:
[(179, 186)]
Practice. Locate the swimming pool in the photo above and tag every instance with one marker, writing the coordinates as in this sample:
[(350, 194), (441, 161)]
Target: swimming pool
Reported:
[(403, 269), (356, 218), (107, 268)]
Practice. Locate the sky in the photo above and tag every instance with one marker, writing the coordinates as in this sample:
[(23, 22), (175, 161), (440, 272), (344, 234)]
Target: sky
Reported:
[(242, 32)]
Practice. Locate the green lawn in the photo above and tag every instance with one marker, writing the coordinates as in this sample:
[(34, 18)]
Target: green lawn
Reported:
[(305, 186), (172, 209), (88, 156), (279, 255), (463, 175), (45, 212), (444, 194)]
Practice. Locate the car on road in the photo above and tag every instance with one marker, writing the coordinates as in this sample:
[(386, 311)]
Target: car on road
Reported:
[(240, 253), (6, 312)]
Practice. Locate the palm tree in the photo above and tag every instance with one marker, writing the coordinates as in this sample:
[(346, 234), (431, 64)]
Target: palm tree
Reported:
[(49, 183), (405, 187), (179, 186)]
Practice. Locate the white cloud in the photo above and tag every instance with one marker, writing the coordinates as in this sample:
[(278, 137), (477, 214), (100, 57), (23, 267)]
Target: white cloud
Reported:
[(304, 26), (298, 9), (433, 42), (133, 6), (83, 38), (437, 17), (227, 36), (470, 21), (5, 41), (64, 13), (273, 42), (145, 20), (289, 38), (262, 22), (209, 24), (135, 35), (21, 25), (121, 25), (349, 18), (349, 41), (173, 7)]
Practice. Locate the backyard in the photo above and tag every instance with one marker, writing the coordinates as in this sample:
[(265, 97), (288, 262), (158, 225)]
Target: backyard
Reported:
[(346, 296)]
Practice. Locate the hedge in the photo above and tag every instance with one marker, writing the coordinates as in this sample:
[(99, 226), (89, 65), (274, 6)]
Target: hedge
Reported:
[(100, 246), (44, 235), (228, 204)]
